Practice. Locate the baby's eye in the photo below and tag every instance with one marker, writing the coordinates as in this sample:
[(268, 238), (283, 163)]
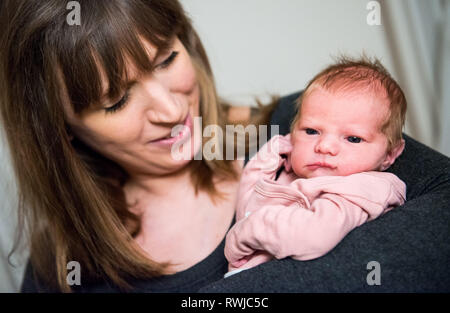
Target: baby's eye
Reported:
[(311, 131), (354, 139)]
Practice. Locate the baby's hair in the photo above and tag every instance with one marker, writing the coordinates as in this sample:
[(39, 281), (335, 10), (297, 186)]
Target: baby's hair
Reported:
[(363, 74)]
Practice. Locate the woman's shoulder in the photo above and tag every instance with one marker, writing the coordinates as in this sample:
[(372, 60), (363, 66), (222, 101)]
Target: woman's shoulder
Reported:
[(207, 271), (31, 282)]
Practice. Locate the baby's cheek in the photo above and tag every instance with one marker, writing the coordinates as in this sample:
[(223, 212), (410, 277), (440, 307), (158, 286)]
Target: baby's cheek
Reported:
[(297, 160), (357, 163)]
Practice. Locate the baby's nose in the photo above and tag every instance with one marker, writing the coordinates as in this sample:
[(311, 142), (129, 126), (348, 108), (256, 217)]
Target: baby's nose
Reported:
[(327, 146)]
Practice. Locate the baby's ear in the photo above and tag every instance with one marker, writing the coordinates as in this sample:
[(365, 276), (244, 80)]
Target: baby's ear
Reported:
[(393, 155)]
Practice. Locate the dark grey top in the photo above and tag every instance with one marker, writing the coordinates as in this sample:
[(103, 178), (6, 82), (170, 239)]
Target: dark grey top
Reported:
[(207, 271)]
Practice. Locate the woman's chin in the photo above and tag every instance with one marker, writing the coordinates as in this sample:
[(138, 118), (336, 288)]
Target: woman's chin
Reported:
[(175, 165)]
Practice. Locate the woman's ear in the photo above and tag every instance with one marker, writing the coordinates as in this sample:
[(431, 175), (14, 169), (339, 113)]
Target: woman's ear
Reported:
[(393, 155)]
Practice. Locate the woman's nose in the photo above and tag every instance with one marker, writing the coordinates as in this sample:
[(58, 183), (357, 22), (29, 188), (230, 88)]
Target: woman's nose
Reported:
[(327, 145), (163, 107)]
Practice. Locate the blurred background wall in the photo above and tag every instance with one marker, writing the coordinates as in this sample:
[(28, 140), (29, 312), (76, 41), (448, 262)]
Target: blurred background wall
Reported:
[(262, 47)]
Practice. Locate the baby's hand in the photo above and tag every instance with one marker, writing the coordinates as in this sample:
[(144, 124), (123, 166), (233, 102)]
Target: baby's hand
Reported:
[(242, 261), (235, 265), (280, 144), (249, 261), (285, 144), (269, 157)]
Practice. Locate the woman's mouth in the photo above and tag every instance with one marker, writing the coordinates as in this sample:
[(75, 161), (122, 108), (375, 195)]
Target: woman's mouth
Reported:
[(184, 133)]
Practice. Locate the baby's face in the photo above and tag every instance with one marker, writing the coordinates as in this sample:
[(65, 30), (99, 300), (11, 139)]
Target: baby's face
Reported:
[(339, 134)]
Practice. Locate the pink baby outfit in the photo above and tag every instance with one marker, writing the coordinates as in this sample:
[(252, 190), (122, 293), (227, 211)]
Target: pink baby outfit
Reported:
[(302, 218)]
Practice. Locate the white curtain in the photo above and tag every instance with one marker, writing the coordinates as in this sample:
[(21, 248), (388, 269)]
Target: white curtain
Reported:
[(10, 276), (418, 34), (444, 79)]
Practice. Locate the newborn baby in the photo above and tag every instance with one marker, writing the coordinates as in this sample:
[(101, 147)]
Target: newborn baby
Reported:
[(301, 194)]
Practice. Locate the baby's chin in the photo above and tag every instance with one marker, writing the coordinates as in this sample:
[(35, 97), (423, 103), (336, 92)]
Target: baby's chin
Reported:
[(323, 172), (303, 171)]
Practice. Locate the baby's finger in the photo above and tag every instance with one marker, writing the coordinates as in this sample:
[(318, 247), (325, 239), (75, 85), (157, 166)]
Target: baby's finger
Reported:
[(239, 263)]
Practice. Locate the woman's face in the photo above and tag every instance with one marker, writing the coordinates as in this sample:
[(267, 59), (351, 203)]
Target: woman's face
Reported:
[(154, 104)]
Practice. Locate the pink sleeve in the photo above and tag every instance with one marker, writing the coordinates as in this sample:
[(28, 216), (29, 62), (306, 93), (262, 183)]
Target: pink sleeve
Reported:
[(308, 233), (264, 164)]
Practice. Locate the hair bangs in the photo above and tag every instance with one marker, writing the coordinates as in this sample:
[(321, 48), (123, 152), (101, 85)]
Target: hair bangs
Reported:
[(99, 57)]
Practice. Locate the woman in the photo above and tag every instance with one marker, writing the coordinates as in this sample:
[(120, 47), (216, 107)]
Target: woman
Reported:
[(87, 110)]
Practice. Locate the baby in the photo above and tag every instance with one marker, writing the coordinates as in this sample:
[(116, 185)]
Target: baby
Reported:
[(348, 130)]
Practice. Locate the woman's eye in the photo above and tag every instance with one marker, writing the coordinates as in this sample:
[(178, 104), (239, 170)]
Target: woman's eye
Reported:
[(119, 104), (169, 60), (123, 101), (354, 139), (311, 131)]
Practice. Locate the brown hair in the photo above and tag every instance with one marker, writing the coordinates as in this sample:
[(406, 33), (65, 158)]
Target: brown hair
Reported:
[(70, 197), (349, 74)]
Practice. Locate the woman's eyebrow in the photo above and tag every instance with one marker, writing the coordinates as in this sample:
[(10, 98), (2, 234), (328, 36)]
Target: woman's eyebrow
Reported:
[(161, 52), (125, 86), (165, 49)]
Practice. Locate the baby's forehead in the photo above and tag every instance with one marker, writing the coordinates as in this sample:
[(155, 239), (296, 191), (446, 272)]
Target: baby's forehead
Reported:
[(348, 106), (345, 90)]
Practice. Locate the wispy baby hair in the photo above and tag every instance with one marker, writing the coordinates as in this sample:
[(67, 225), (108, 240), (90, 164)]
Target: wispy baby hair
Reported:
[(363, 74)]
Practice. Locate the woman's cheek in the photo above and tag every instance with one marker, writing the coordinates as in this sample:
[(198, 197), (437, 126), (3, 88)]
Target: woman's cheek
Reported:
[(114, 129), (189, 84), (185, 79)]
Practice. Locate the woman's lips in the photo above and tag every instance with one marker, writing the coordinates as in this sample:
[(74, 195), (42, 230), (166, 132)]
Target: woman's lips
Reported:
[(184, 134)]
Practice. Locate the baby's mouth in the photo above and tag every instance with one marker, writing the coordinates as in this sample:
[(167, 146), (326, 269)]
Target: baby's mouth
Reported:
[(321, 165)]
